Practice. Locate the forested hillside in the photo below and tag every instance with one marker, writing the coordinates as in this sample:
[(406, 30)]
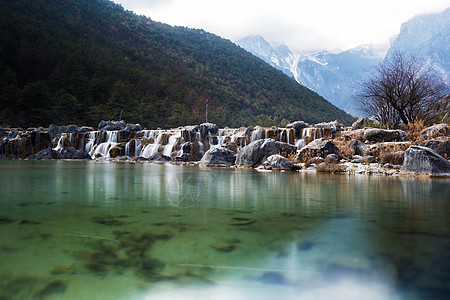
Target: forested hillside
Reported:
[(81, 61)]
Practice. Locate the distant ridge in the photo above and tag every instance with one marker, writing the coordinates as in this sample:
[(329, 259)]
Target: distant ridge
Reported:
[(81, 61)]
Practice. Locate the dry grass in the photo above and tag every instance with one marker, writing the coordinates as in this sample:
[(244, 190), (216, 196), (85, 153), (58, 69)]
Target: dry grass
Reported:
[(306, 156), (395, 158), (330, 168), (344, 149), (413, 131)]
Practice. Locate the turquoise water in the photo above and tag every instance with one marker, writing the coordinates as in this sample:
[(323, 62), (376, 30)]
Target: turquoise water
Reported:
[(86, 230)]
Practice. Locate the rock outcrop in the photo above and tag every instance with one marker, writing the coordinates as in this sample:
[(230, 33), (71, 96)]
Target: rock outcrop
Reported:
[(420, 159), (208, 128), (218, 157), (320, 147), (258, 151), (277, 162), (376, 135), (358, 147), (441, 145)]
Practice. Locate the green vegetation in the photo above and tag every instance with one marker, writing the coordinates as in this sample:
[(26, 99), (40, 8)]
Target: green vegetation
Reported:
[(81, 61)]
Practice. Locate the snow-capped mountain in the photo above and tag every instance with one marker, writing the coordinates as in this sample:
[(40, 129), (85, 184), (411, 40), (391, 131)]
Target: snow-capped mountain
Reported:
[(335, 75), (332, 75), (427, 37)]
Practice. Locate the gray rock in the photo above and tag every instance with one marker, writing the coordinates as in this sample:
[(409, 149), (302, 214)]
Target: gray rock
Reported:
[(332, 158), (218, 157), (55, 131), (363, 159), (72, 153), (159, 157), (359, 148), (45, 154), (334, 126), (277, 162), (206, 128), (436, 130), (316, 160), (440, 144), (111, 125), (320, 147), (258, 151), (382, 135), (133, 127), (420, 159), (298, 126), (360, 123)]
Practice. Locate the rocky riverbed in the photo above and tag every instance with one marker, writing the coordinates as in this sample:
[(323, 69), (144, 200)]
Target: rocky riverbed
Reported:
[(324, 147)]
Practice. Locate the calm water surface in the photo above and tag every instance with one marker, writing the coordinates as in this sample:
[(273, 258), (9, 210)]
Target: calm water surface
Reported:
[(85, 230)]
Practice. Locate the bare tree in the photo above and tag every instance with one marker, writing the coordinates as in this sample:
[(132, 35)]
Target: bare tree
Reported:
[(400, 89)]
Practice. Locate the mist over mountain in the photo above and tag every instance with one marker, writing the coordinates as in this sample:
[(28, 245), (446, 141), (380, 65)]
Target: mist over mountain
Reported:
[(335, 75), (427, 37)]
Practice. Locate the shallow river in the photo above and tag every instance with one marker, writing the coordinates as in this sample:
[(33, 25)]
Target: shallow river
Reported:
[(86, 230)]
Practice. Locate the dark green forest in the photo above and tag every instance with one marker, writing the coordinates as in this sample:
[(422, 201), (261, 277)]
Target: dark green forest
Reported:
[(81, 61)]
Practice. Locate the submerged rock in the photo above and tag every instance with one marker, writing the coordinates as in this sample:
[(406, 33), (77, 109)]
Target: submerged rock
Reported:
[(258, 151), (420, 159), (218, 157), (277, 162)]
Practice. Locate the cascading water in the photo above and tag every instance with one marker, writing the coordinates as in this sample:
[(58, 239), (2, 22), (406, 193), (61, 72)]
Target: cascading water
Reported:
[(102, 150), (256, 134), (60, 145), (91, 141)]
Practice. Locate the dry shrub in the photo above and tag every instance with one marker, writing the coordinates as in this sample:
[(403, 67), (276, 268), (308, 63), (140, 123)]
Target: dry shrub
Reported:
[(344, 149), (413, 131), (306, 156), (330, 168), (395, 158)]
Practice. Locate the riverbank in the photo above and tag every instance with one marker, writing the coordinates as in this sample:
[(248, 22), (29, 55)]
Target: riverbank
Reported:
[(323, 148)]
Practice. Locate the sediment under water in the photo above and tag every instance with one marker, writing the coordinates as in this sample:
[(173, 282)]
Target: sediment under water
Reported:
[(86, 230)]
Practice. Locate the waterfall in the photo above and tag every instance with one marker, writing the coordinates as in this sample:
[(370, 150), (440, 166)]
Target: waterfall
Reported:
[(281, 136), (103, 148), (60, 145), (127, 148), (172, 140), (91, 140), (137, 148), (256, 135)]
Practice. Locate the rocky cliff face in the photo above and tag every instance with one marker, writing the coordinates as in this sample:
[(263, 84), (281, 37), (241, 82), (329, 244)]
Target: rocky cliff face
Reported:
[(334, 75), (428, 38)]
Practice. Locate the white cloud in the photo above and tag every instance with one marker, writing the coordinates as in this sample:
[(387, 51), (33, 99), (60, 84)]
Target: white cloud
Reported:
[(328, 24)]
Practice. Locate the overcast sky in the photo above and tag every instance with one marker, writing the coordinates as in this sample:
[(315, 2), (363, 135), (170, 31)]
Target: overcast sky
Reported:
[(301, 24)]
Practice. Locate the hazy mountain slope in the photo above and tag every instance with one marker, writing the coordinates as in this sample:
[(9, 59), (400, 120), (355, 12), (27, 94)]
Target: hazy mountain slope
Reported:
[(427, 37), (80, 61), (332, 75), (335, 75)]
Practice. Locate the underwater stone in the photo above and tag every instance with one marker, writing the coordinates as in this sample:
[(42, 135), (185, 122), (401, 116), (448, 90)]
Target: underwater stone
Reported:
[(6, 220), (54, 287)]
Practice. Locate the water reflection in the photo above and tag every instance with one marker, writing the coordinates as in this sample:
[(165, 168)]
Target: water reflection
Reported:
[(71, 229)]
